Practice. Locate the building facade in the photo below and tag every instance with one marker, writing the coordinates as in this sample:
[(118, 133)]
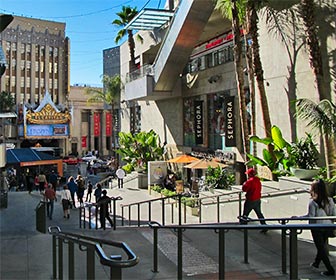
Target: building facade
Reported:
[(185, 86), (37, 55)]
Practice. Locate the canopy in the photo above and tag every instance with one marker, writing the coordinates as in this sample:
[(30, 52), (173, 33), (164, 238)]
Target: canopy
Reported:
[(182, 159), (30, 157), (204, 164)]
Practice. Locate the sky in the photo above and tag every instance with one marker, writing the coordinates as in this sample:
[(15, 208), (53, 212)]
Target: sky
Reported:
[(88, 25)]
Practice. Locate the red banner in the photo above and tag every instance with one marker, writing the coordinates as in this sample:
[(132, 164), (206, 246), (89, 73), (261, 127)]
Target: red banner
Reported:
[(84, 141), (96, 124), (108, 124)]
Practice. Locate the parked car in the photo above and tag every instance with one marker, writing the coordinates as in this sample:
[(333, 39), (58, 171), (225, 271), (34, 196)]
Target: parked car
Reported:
[(71, 160), (89, 157)]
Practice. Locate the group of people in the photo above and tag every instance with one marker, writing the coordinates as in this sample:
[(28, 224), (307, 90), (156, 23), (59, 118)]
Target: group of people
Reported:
[(320, 205)]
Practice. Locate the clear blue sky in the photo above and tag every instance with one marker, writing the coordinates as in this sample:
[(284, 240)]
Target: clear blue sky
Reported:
[(88, 25)]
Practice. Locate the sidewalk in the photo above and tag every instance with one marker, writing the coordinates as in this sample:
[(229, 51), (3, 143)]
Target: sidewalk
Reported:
[(26, 253)]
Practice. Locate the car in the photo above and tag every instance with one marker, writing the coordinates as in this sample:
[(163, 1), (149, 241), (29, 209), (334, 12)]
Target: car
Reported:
[(88, 157), (70, 160)]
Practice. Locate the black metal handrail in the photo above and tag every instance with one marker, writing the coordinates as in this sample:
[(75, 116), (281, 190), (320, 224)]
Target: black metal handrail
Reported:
[(93, 245), (96, 206), (291, 230), (199, 202)]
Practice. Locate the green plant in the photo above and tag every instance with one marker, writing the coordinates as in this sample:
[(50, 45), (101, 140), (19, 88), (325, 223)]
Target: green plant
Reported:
[(156, 188), (189, 201), (7, 102), (281, 162), (304, 153), (219, 178), (167, 192), (137, 150)]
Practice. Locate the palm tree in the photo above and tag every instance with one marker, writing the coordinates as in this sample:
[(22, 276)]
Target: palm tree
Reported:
[(7, 102), (307, 12), (125, 17), (233, 10), (252, 29), (321, 116), (109, 95)]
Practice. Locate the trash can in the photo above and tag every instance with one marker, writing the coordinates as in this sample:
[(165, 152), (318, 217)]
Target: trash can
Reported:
[(3, 198), (41, 225)]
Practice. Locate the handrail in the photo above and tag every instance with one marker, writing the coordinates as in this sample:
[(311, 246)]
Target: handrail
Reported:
[(291, 230), (92, 244)]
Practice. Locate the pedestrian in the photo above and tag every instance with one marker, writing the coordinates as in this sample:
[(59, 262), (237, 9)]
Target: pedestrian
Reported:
[(320, 205), (50, 197), (120, 173), (89, 192), (53, 179), (73, 188), (80, 188), (104, 214), (42, 181), (98, 192), (36, 182), (66, 201), (252, 187)]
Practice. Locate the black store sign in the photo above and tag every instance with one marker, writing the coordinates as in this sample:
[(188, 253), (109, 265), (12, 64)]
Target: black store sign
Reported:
[(230, 124), (198, 110)]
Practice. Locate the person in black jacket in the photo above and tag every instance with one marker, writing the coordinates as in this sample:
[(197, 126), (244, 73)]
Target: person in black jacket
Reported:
[(104, 214)]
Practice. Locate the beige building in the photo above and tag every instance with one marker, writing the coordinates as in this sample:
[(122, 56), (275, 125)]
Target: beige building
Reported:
[(185, 85), (91, 126), (37, 55)]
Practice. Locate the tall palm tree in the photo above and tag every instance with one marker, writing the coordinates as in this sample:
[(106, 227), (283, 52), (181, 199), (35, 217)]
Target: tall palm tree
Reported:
[(252, 29), (109, 95), (321, 116), (125, 17), (307, 11), (234, 10)]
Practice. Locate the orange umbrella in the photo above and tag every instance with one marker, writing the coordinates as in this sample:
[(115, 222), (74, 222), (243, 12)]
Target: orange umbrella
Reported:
[(182, 159), (204, 164)]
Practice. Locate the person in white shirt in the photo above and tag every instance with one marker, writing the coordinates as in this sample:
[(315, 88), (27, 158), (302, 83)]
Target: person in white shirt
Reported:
[(66, 201)]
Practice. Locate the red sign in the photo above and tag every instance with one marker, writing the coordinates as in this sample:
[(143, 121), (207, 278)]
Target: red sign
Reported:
[(108, 124), (84, 141), (96, 124)]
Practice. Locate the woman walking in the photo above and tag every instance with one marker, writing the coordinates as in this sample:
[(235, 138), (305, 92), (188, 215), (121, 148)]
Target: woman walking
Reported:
[(66, 201)]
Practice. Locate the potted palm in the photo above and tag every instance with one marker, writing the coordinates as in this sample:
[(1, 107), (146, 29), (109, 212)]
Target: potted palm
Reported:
[(304, 156)]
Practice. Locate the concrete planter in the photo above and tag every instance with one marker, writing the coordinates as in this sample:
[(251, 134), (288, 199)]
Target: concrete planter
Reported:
[(304, 174), (141, 180)]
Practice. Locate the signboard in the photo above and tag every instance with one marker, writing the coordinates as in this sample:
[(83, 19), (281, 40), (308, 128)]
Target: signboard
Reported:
[(108, 124), (47, 130), (84, 141), (157, 172), (198, 110), (230, 123), (96, 124)]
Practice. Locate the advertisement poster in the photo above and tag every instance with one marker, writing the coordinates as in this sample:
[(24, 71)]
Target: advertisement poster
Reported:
[(108, 124), (96, 124)]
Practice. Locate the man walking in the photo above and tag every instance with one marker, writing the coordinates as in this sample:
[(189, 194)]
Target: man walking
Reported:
[(103, 203), (120, 175), (50, 197), (252, 187)]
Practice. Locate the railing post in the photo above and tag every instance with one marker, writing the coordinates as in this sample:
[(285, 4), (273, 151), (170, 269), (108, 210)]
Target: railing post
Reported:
[(293, 255), (179, 253), (221, 254), (115, 272), (80, 216), (172, 213), (163, 211), (200, 211), (149, 211), (138, 214), (90, 207), (54, 257), (96, 215), (129, 215), (155, 249), (90, 262), (60, 258), (240, 204), (122, 215), (218, 210), (180, 209), (114, 214), (283, 249), (71, 260), (245, 246)]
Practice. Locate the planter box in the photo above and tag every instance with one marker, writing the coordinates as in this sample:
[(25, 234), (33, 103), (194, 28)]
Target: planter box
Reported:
[(304, 174)]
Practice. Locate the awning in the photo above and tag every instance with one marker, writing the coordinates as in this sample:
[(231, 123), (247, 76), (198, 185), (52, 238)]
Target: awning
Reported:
[(148, 19), (30, 157)]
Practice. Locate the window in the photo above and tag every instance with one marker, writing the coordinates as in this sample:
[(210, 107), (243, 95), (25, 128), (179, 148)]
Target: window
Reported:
[(135, 119)]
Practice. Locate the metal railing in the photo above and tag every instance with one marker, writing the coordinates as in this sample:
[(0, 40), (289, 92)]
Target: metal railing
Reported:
[(176, 201), (92, 209), (290, 230), (92, 246)]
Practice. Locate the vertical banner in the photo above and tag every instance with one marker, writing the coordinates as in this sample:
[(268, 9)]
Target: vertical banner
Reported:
[(198, 110), (84, 141), (108, 124), (96, 124), (230, 124)]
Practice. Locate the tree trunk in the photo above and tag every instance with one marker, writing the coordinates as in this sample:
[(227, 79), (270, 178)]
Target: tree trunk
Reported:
[(240, 78), (315, 57), (131, 45)]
